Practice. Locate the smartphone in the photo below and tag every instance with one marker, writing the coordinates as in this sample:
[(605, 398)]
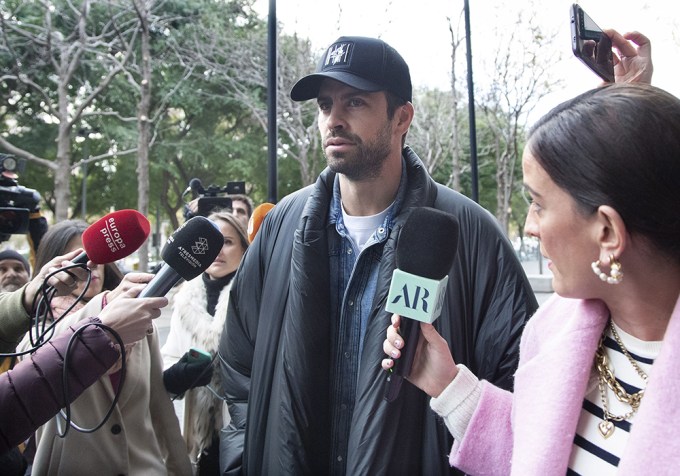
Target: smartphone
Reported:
[(591, 45), (197, 355)]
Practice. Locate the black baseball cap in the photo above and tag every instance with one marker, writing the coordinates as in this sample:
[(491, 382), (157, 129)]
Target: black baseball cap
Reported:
[(368, 64)]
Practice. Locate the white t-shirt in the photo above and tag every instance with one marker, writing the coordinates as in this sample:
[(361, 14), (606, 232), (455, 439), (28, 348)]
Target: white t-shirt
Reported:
[(360, 229)]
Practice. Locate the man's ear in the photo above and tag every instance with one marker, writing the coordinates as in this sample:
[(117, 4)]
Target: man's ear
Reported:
[(611, 233), (405, 116)]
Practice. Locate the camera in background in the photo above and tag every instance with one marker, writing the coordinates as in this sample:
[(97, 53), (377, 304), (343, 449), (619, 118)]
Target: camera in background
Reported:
[(16, 202), (214, 197)]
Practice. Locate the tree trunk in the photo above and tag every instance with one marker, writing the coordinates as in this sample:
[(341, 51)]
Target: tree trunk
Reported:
[(62, 174), (502, 190), (454, 180)]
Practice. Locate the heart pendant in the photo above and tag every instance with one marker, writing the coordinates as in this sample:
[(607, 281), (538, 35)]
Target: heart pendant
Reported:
[(606, 428)]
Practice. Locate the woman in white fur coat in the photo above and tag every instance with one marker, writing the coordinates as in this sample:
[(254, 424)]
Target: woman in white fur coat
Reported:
[(199, 310)]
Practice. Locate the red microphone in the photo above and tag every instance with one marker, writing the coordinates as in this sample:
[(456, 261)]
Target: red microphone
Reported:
[(113, 237)]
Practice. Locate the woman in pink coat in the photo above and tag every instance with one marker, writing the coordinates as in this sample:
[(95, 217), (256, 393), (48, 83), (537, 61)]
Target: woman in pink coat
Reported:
[(597, 390)]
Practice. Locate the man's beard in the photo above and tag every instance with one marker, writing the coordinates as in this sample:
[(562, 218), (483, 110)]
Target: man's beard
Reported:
[(11, 285), (366, 161)]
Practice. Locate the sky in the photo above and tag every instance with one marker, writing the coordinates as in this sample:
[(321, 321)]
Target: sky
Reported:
[(419, 31)]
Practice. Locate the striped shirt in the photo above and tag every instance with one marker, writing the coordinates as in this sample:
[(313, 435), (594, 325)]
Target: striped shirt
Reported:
[(592, 453)]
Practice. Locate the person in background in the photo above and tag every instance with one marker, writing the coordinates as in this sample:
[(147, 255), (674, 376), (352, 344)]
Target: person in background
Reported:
[(199, 310), (14, 273), (14, 270), (142, 435), (15, 320), (32, 392), (242, 208), (66, 236), (302, 341)]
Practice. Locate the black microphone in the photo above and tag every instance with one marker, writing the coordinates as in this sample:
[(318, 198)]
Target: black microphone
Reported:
[(419, 281), (189, 251), (195, 186)]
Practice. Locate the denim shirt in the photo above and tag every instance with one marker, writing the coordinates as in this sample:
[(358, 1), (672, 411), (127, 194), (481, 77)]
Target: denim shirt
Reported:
[(354, 276)]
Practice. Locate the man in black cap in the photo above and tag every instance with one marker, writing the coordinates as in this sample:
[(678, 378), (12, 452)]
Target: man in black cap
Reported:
[(14, 270), (301, 349)]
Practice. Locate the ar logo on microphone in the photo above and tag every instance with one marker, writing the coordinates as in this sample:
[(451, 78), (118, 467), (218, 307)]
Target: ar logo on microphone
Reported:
[(417, 298), (200, 247)]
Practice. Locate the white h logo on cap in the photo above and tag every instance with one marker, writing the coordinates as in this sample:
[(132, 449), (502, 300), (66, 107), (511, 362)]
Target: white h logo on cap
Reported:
[(338, 54)]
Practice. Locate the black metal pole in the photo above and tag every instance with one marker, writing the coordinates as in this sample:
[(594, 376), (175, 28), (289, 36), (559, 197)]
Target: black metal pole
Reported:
[(272, 137), (471, 107)]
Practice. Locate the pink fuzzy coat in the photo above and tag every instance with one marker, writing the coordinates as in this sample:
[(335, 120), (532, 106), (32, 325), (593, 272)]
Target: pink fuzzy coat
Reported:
[(531, 432)]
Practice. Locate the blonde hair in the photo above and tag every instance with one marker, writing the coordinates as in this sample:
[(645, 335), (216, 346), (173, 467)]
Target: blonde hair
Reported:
[(227, 217)]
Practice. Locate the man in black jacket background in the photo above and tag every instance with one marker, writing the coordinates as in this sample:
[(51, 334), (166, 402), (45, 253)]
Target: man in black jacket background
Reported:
[(302, 344)]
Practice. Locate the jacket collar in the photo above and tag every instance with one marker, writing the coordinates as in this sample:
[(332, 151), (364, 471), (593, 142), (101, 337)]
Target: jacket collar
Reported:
[(555, 366), (654, 446), (417, 188)]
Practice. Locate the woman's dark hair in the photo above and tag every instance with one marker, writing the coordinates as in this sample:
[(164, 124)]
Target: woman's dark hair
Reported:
[(57, 239), (618, 145)]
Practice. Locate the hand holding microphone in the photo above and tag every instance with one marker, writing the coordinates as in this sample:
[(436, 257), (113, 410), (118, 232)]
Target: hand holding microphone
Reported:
[(188, 252), (129, 317), (419, 282), (62, 283), (433, 366), (112, 237)]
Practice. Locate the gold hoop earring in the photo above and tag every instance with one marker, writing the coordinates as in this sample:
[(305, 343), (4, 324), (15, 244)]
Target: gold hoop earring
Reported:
[(615, 275)]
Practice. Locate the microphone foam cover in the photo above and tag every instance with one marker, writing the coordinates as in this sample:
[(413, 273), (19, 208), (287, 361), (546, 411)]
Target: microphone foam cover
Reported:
[(256, 219), (193, 247), (196, 186), (115, 236), (428, 243)]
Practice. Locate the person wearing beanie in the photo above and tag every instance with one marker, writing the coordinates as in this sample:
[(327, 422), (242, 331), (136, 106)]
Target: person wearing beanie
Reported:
[(14, 270), (301, 346)]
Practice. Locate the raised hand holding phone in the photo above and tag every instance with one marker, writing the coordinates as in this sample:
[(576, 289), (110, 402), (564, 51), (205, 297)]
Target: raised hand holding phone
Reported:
[(632, 57), (591, 44)]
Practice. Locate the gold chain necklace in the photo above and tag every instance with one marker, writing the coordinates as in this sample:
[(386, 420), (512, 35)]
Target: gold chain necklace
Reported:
[(606, 377)]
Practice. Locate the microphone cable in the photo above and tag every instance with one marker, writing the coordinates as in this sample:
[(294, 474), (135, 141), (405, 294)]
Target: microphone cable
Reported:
[(41, 327), (45, 320), (65, 413), (42, 315)]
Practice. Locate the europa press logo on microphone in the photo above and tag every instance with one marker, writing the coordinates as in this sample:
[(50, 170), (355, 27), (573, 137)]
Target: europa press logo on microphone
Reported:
[(112, 236)]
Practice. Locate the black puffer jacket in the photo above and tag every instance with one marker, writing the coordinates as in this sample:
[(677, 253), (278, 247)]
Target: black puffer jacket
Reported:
[(275, 348)]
